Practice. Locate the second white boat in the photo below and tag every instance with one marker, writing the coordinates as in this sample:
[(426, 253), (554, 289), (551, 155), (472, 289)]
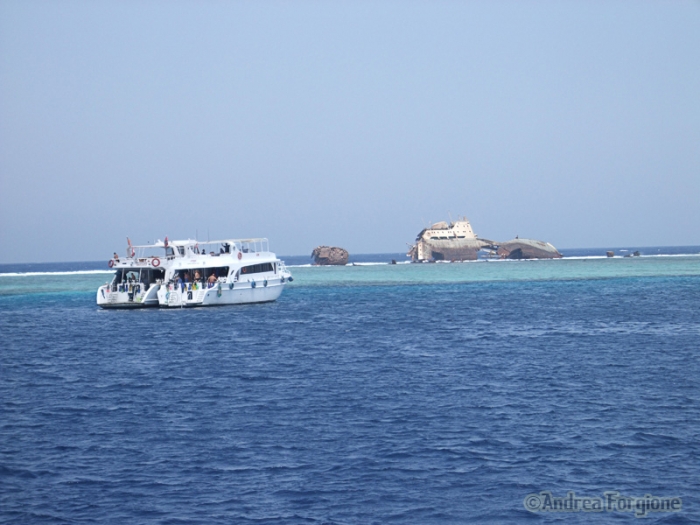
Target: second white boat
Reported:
[(232, 271)]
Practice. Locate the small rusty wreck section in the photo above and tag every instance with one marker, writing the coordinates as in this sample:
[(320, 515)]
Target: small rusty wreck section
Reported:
[(527, 249), (457, 241), (330, 256)]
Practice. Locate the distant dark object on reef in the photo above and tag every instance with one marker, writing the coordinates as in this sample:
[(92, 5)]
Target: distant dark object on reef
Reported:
[(527, 249), (330, 256)]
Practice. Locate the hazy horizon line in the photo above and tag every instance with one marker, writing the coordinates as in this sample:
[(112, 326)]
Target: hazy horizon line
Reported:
[(394, 253)]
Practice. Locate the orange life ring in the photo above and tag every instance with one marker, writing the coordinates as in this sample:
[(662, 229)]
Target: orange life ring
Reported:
[(110, 263), (155, 262), (240, 256)]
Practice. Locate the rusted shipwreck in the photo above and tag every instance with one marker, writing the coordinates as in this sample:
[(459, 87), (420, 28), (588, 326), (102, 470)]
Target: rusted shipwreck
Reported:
[(527, 249), (330, 256), (448, 242), (456, 241)]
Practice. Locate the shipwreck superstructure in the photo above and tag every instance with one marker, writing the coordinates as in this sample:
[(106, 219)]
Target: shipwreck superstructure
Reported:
[(448, 242), (456, 241)]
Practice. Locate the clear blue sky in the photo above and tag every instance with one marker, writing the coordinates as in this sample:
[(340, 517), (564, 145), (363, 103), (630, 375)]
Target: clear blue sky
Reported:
[(346, 123)]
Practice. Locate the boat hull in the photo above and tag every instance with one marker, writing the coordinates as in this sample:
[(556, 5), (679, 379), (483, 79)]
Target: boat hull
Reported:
[(241, 293), (125, 300)]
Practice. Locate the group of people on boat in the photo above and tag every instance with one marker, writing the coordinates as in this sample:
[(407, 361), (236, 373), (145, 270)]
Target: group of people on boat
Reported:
[(183, 279)]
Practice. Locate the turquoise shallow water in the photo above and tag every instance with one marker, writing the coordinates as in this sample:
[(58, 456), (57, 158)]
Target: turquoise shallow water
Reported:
[(402, 274), (484, 271)]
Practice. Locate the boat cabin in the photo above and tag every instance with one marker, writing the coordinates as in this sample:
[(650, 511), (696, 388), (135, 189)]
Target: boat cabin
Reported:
[(145, 276)]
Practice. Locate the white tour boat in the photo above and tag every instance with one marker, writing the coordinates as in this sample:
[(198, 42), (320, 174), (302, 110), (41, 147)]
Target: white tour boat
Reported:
[(137, 277), (232, 271)]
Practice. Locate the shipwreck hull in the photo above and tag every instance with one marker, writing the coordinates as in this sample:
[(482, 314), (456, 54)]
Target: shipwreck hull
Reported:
[(454, 254), (456, 241), (330, 256), (527, 249), (452, 250)]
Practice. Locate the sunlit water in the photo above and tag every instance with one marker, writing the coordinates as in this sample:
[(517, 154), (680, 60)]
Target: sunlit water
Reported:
[(434, 393)]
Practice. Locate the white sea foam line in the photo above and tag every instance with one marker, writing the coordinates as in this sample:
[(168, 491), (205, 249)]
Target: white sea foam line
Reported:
[(79, 272), (643, 256), (582, 257), (347, 265), (565, 258), (671, 255)]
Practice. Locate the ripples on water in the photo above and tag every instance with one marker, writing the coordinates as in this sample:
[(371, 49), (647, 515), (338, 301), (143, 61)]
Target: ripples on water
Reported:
[(429, 403)]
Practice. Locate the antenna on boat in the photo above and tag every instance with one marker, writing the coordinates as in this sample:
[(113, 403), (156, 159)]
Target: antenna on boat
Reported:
[(207, 234)]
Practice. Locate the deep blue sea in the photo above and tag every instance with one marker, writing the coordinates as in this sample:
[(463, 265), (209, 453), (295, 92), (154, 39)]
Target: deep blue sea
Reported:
[(378, 394)]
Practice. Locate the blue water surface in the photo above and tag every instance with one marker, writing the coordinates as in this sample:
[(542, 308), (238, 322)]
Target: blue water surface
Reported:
[(353, 404)]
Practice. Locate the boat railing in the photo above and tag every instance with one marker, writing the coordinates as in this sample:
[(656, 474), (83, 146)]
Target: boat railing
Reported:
[(125, 286), (282, 268), (196, 285), (129, 262), (136, 287)]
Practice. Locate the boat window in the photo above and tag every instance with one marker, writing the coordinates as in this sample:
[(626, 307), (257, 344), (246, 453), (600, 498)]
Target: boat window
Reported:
[(219, 271), (169, 252), (181, 249), (257, 268)]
